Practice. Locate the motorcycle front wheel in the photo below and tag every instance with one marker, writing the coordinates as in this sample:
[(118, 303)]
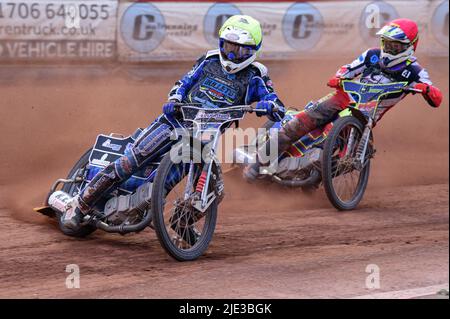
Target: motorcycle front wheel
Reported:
[(344, 184), (184, 232)]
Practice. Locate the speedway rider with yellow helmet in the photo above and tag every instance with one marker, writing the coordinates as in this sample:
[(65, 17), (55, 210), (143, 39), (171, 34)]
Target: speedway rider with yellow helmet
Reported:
[(224, 77), (394, 61)]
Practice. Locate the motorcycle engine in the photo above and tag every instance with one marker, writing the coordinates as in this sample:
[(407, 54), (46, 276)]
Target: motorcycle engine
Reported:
[(299, 167), (128, 208)]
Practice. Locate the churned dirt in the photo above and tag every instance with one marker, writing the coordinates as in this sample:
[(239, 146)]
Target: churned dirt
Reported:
[(270, 242)]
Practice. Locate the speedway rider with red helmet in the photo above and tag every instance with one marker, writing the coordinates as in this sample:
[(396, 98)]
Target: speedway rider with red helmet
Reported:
[(393, 62)]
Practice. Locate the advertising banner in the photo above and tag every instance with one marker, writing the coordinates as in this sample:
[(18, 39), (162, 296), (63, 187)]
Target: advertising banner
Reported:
[(130, 31), (149, 31), (55, 29)]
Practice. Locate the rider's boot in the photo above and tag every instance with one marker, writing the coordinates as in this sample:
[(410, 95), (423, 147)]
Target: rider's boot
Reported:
[(287, 135), (81, 204), (73, 215), (72, 218)]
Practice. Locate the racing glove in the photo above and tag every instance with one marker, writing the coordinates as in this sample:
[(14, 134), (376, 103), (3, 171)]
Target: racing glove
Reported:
[(269, 107), (169, 109), (334, 82), (430, 93)]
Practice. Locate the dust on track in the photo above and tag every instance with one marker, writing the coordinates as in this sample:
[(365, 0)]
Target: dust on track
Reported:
[(270, 242)]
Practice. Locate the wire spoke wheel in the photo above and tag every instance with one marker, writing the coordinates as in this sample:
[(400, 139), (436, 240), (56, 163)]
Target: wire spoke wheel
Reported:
[(345, 176), (344, 182), (183, 231), (184, 223)]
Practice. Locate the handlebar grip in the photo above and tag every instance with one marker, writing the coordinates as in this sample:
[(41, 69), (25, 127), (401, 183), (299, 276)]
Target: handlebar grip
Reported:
[(259, 111), (177, 107), (412, 90)]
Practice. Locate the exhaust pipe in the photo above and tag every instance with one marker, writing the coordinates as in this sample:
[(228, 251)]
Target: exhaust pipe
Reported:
[(124, 229), (311, 180)]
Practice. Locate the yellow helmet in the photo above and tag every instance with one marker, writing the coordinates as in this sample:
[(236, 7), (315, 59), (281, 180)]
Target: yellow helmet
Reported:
[(240, 40)]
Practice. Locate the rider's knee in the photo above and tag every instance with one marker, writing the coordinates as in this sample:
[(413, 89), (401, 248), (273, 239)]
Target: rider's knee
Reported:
[(150, 142)]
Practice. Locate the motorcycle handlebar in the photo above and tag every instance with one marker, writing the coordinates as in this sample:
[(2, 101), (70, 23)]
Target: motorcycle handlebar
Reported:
[(245, 108), (412, 90), (405, 89)]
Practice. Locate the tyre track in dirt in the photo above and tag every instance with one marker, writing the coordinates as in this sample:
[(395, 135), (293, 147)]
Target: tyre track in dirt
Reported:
[(314, 242), (270, 242)]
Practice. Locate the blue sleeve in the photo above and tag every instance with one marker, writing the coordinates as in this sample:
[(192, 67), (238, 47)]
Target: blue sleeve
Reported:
[(182, 86), (261, 89)]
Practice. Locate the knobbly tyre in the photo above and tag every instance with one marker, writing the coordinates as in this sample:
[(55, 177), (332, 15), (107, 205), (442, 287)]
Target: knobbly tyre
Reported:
[(337, 155), (177, 195)]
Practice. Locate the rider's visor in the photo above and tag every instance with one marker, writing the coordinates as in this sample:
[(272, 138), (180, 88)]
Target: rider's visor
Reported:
[(393, 47), (235, 52)]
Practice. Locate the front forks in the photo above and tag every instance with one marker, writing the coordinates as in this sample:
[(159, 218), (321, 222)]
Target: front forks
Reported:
[(200, 199), (206, 198), (190, 183), (361, 151)]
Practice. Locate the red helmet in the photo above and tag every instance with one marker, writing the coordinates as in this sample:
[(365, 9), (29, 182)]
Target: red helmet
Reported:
[(399, 40)]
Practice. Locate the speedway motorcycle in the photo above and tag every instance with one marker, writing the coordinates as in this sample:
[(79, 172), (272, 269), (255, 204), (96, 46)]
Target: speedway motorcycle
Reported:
[(177, 195), (336, 155)]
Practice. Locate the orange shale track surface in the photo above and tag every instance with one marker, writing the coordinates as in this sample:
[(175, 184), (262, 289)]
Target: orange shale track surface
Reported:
[(270, 242)]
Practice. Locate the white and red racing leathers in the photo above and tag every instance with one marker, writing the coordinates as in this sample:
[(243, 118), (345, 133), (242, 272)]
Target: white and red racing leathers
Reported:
[(369, 70)]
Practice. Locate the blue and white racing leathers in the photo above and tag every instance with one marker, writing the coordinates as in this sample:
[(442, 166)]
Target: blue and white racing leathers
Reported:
[(207, 83)]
